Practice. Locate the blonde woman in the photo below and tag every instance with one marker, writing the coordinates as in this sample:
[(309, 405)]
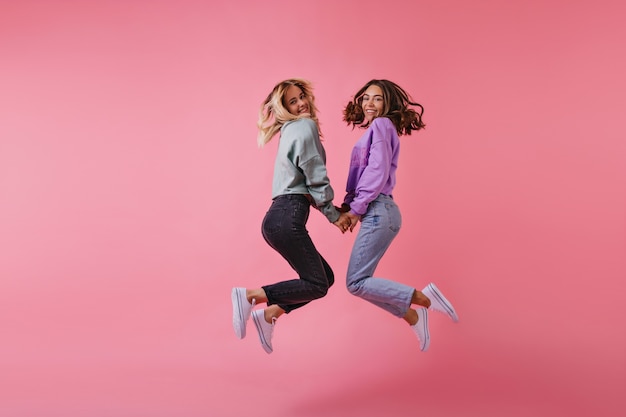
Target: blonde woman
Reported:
[(300, 180)]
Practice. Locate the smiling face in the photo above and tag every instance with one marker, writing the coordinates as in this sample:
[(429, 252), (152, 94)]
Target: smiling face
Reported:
[(295, 101), (373, 102)]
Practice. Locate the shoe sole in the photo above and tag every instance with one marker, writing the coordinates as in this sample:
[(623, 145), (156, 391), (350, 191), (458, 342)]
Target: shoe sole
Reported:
[(444, 302), (238, 320), (424, 317), (259, 329)]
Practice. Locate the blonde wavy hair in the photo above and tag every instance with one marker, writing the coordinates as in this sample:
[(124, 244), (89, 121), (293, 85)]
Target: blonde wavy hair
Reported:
[(273, 114)]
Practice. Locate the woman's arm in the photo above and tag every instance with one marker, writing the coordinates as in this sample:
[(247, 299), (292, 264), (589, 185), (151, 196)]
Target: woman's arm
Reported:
[(312, 163), (376, 173)]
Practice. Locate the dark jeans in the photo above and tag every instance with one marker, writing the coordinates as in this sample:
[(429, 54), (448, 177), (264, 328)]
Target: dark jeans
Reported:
[(284, 229)]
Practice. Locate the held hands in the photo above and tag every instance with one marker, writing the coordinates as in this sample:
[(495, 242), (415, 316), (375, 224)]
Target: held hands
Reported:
[(343, 222), (347, 221), (354, 219)]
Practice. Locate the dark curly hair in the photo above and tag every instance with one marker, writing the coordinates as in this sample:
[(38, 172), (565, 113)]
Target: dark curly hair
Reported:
[(396, 108)]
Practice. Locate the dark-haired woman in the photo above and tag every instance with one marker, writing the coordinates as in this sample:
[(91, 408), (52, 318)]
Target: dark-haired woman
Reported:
[(385, 110)]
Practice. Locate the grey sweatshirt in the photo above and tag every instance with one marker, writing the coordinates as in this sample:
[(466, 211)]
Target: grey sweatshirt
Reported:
[(300, 166)]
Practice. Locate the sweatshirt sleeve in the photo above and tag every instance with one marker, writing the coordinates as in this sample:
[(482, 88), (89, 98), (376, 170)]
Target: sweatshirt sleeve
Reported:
[(376, 172), (312, 163)]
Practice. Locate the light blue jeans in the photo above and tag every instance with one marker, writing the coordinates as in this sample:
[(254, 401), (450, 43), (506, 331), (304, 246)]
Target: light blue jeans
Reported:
[(379, 226)]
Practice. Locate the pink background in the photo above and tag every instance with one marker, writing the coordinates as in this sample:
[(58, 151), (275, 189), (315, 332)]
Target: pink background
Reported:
[(132, 192)]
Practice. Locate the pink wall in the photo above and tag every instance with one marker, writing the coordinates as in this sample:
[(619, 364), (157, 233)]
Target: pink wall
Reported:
[(132, 191)]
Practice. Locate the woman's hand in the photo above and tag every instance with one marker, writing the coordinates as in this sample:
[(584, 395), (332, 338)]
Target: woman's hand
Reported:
[(354, 219), (343, 222)]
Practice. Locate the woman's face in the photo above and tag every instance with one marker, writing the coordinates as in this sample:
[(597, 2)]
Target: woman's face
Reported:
[(296, 102), (373, 102)]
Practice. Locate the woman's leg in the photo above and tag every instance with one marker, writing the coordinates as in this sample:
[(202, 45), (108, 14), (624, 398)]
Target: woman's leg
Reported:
[(421, 300), (379, 226), (284, 229)]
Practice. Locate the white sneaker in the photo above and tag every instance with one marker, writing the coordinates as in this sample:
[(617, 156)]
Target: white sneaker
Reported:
[(421, 329), (439, 303), (241, 310), (264, 328)]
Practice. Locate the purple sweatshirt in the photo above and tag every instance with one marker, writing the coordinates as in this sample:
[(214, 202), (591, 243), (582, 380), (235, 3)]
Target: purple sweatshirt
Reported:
[(373, 165)]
